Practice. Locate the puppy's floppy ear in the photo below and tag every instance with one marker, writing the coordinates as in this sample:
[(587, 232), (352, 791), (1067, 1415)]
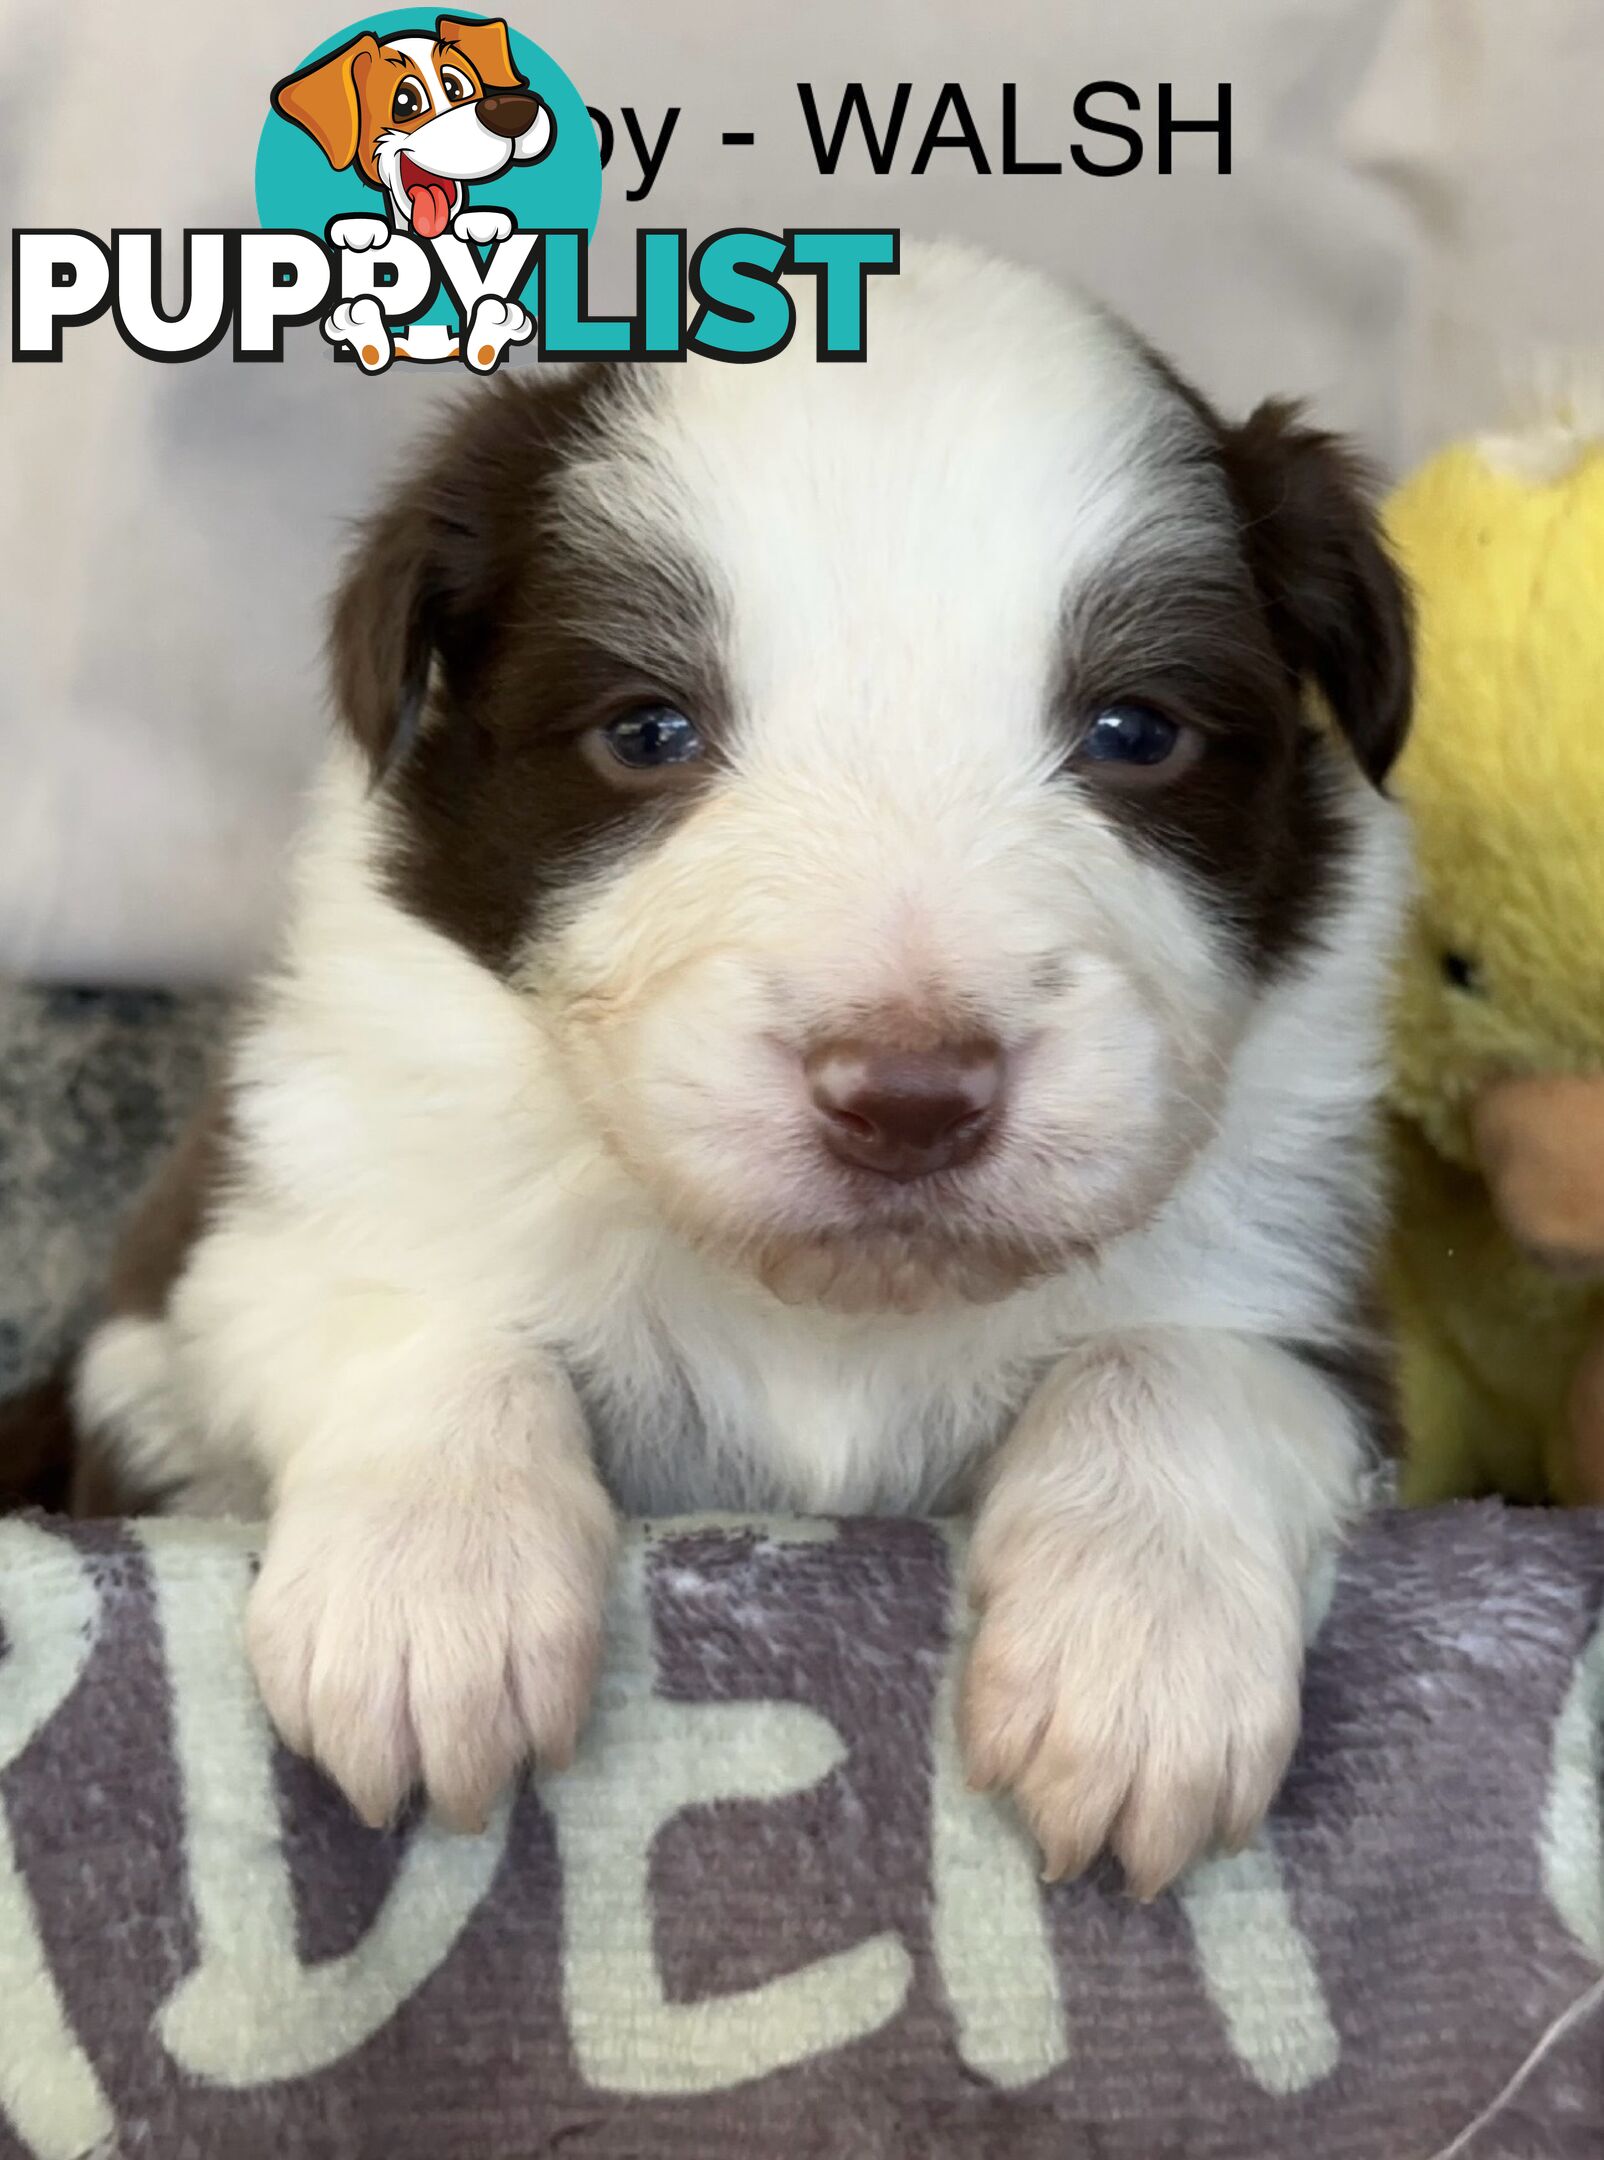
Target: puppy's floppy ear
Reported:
[(382, 631), (486, 47), (1336, 603), (325, 99), (429, 580)]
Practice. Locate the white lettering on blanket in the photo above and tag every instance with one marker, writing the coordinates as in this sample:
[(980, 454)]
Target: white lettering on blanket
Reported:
[(1259, 1970), (1572, 1837), (158, 1959), (48, 2087), (1008, 2008), (1257, 1966), (642, 1761), (251, 2011)]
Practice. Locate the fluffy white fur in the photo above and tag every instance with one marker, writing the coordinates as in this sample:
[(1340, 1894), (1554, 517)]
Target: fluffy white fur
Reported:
[(490, 1242)]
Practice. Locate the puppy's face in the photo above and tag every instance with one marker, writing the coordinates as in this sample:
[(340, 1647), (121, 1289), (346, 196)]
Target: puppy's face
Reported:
[(891, 783)]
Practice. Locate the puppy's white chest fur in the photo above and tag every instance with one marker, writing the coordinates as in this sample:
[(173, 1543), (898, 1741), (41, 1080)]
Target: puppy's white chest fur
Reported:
[(697, 1401)]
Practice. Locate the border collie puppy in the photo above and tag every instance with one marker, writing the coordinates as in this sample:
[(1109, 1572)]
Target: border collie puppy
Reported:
[(836, 964)]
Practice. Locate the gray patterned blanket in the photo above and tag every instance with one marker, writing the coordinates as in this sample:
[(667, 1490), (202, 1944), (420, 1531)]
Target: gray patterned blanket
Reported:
[(761, 1916)]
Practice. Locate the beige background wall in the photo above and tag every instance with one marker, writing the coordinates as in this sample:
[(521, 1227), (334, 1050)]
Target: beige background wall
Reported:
[(1417, 208)]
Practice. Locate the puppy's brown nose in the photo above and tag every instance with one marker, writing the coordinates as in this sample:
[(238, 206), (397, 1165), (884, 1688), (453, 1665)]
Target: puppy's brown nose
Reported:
[(509, 112), (905, 1113)]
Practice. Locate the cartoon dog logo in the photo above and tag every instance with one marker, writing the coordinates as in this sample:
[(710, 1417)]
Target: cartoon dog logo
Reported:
[(421, 116)]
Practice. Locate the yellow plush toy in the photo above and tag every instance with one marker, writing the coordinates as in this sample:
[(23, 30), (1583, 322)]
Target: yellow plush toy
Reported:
[(1497, 1267)]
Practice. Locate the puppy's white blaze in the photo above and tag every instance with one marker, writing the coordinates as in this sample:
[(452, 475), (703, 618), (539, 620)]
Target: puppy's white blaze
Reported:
[(931, 510), (890, 602)]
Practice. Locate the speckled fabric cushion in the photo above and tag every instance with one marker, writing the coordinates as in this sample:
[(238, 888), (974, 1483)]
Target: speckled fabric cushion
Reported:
[(92, 1086)]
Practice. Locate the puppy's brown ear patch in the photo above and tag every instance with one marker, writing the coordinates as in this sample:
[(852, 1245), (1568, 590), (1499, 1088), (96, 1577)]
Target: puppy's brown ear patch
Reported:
[(380, 637), (1336, 603), (428, 581), (485, 47), (325, 99)]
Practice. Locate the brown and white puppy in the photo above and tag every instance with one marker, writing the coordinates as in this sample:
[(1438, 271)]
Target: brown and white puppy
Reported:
[(421, 116), (861, 990)]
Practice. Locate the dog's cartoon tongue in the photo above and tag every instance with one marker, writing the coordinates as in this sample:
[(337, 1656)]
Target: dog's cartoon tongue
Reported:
[(431, 199)]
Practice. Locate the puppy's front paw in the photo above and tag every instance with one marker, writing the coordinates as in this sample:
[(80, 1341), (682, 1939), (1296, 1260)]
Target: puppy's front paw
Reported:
[(407, 1635), (1145, 1706)]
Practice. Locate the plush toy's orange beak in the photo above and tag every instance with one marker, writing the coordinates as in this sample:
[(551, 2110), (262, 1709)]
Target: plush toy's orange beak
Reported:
[(1540, 1142)]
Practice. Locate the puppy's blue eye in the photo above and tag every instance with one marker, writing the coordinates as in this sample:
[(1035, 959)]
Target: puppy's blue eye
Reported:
[(1130, 735), (651, 736)]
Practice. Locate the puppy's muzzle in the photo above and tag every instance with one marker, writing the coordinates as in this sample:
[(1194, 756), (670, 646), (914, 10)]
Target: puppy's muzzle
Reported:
[(510, 113), (905, 1113)]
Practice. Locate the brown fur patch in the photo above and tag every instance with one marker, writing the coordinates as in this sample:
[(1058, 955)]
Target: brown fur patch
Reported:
[(37, 1446), (46, 1462), (468, 603), (466, 600), (45, 1459), (1252, 820), (170, 1215), (1301, 597), (1334, 601), (1337, 606)]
